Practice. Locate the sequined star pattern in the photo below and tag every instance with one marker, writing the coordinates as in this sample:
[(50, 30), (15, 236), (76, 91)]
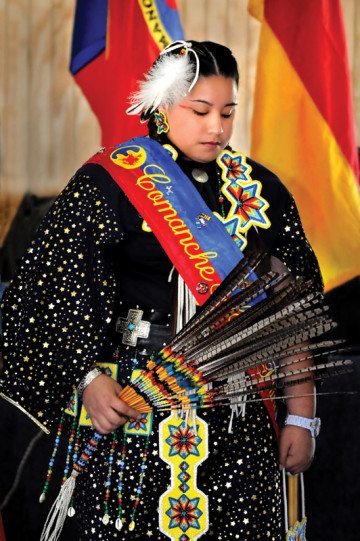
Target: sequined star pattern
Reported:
[(65, 304), (89, 256)]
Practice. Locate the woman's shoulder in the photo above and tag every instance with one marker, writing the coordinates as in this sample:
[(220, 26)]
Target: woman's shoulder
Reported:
[(101, 192), (93, 175)]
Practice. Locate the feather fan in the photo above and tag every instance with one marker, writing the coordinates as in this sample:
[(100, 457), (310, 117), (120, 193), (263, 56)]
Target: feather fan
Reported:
[(252, 335), (246, 325)]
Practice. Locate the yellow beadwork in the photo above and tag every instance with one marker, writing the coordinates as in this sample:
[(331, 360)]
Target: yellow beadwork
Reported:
[(181, 462)]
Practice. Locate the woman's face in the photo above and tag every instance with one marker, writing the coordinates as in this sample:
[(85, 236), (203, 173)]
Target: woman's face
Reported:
[(202, 123)]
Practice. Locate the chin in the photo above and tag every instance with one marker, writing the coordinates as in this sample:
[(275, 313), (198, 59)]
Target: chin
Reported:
[(204, 157)]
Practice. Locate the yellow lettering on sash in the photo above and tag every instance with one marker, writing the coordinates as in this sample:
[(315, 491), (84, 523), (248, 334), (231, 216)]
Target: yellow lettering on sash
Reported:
[(192, 248), (206, 271), (172, 222), (167, 206), (145, 183), (156, 196)]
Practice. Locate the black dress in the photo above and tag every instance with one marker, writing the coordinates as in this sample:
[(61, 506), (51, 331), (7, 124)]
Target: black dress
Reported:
[(90, 262)]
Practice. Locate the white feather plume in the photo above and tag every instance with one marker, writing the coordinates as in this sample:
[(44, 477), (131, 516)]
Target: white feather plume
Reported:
[(167, 83)]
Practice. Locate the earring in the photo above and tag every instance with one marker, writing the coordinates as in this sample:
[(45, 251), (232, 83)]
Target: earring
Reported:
[(161, 122)]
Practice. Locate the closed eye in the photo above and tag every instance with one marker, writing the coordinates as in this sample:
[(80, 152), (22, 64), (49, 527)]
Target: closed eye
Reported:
[(228, 115)]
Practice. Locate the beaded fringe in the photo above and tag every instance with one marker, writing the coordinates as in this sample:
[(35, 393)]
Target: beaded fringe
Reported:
[(58, 512)]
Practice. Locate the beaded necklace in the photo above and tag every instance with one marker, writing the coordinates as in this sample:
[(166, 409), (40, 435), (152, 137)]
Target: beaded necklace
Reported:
[(221, 198)]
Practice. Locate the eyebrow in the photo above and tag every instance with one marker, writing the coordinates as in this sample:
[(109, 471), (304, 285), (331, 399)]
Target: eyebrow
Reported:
[(209, 103)]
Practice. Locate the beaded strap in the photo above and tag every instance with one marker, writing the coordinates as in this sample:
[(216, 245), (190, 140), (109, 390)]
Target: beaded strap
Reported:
[(86, 454)]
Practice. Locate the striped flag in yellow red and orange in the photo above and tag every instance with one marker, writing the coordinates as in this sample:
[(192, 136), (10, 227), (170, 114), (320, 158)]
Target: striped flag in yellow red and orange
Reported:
[(303, 124)]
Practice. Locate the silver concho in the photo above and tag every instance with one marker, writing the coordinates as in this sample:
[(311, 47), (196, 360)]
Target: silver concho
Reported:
[(200, 175)]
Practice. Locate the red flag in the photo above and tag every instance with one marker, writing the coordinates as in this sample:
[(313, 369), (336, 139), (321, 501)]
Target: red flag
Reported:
[(303, 124), (114, 43), (2, 533)]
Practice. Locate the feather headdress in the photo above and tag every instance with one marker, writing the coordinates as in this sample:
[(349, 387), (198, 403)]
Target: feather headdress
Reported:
[(169, 80)]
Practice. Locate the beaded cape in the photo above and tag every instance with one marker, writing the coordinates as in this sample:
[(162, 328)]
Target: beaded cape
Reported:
[(60, 310)]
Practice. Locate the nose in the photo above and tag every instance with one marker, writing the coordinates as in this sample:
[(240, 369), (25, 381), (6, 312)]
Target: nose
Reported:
[(215, 124)]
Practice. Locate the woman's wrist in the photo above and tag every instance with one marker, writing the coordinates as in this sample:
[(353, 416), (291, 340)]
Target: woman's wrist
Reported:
[(87, 379), (312, 424)]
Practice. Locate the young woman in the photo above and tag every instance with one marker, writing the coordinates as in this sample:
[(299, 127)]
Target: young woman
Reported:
[(96, 272)]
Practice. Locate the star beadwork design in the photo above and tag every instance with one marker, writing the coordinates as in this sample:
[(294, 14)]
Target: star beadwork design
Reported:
[(184, 513), (140, 423), (183, 441), (243, 193), (234, 166), (248, 205)]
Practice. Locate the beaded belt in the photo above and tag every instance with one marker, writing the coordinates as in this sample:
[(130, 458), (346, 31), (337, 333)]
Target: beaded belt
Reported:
[(138, 333)]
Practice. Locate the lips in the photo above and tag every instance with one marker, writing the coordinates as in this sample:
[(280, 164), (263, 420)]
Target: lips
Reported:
[(211, 143)]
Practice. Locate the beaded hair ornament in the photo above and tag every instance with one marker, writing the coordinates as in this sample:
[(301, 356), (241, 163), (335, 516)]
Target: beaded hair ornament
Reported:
[(171, 77)]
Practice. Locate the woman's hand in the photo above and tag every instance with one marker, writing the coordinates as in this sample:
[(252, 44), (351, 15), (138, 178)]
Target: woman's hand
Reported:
[(296, 449), (106, 410)]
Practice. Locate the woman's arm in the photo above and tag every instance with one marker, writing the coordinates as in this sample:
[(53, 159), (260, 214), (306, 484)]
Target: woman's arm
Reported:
[(296, 446), (59, 308)]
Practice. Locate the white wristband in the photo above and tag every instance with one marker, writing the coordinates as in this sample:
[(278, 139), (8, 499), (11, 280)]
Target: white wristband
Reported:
[(313, 425), (90, 376)]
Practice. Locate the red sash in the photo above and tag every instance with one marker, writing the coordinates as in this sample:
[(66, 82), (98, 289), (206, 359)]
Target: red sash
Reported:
[(144, 184)]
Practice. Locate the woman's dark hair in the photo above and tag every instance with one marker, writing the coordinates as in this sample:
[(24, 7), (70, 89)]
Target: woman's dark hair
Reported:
[(214, 59)]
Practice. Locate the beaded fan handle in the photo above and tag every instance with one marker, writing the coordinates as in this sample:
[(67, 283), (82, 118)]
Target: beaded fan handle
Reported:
[(128, 395), (58, 512), (134, 400)]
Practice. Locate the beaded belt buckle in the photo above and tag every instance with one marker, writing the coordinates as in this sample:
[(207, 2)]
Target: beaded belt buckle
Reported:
[(132, 327)]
